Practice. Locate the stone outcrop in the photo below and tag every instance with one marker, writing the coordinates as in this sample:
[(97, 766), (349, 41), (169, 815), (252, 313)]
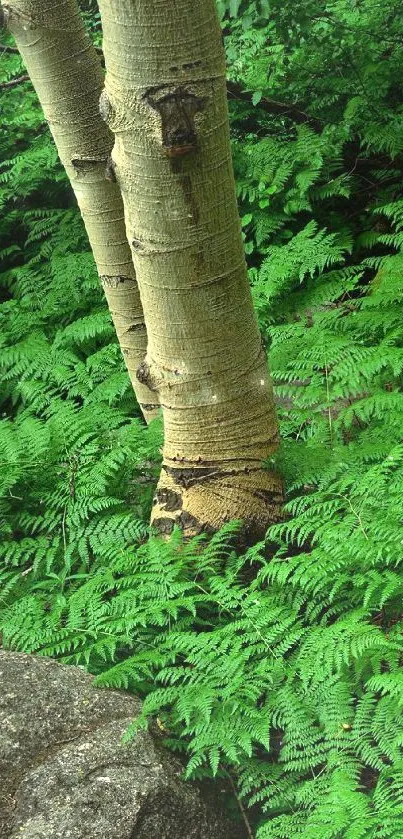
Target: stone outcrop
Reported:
[(64, 773)]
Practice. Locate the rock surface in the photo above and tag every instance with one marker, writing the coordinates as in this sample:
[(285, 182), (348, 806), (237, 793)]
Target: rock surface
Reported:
[(65, 775)]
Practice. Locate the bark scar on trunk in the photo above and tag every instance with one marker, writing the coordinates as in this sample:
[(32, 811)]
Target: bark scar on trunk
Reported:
[(149, 406), (186, 184), (105, 107), (143, 375), (82, 165), (168, 499), (136, 327), (190, 475), (115, 281), (110, 170), (177, 108)]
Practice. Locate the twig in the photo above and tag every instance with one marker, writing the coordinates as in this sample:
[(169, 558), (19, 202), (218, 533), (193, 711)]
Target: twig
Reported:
[(5, 48), (240, 805), (14, 82), (272, 106), (234, 91)]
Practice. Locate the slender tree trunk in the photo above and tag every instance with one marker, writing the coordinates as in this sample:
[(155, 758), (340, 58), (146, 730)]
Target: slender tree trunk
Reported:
[(68, 78), (165, 101)]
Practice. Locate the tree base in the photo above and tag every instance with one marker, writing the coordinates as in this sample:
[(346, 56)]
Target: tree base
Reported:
[(201, 499)]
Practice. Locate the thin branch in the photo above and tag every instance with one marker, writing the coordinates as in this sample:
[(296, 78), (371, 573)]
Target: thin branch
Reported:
[(240, 805), (271, 106), (5, 48), (14, 82), (234, 90)]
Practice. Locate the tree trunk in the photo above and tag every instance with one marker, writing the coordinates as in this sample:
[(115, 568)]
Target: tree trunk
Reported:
[(68, 78), (165, 101)]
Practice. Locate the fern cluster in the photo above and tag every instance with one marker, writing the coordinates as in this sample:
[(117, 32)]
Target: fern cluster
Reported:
[(283, 669), (282, 665), (76, 464)]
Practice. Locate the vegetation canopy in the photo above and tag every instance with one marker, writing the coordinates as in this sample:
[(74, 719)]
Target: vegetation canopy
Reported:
[(279, 667)]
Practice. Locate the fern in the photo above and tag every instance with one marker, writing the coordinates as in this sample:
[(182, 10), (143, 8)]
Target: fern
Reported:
[(282, 665)]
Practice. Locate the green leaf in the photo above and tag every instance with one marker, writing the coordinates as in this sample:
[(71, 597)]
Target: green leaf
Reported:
[(221, 8), (234, 7)]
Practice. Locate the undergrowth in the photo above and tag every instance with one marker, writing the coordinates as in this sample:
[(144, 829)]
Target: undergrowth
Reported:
[(282, 665)]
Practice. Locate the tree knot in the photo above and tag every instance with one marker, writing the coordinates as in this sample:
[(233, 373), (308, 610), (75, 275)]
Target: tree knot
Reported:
[(105, 107), (144, 376), (177, 108)]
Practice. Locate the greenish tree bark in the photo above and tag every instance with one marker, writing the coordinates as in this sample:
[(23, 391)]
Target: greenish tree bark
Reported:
[(68, 78), (165, 101)]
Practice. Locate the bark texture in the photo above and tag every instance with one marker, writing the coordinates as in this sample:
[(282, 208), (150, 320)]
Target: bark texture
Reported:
[(165, 101), (68, 78)]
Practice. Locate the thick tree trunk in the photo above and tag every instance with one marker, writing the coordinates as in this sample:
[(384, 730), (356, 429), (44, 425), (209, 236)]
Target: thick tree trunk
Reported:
[(165, 100), (68, 78)]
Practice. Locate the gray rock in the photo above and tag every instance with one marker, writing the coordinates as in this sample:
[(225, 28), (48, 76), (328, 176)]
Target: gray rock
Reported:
[(64, 773)]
